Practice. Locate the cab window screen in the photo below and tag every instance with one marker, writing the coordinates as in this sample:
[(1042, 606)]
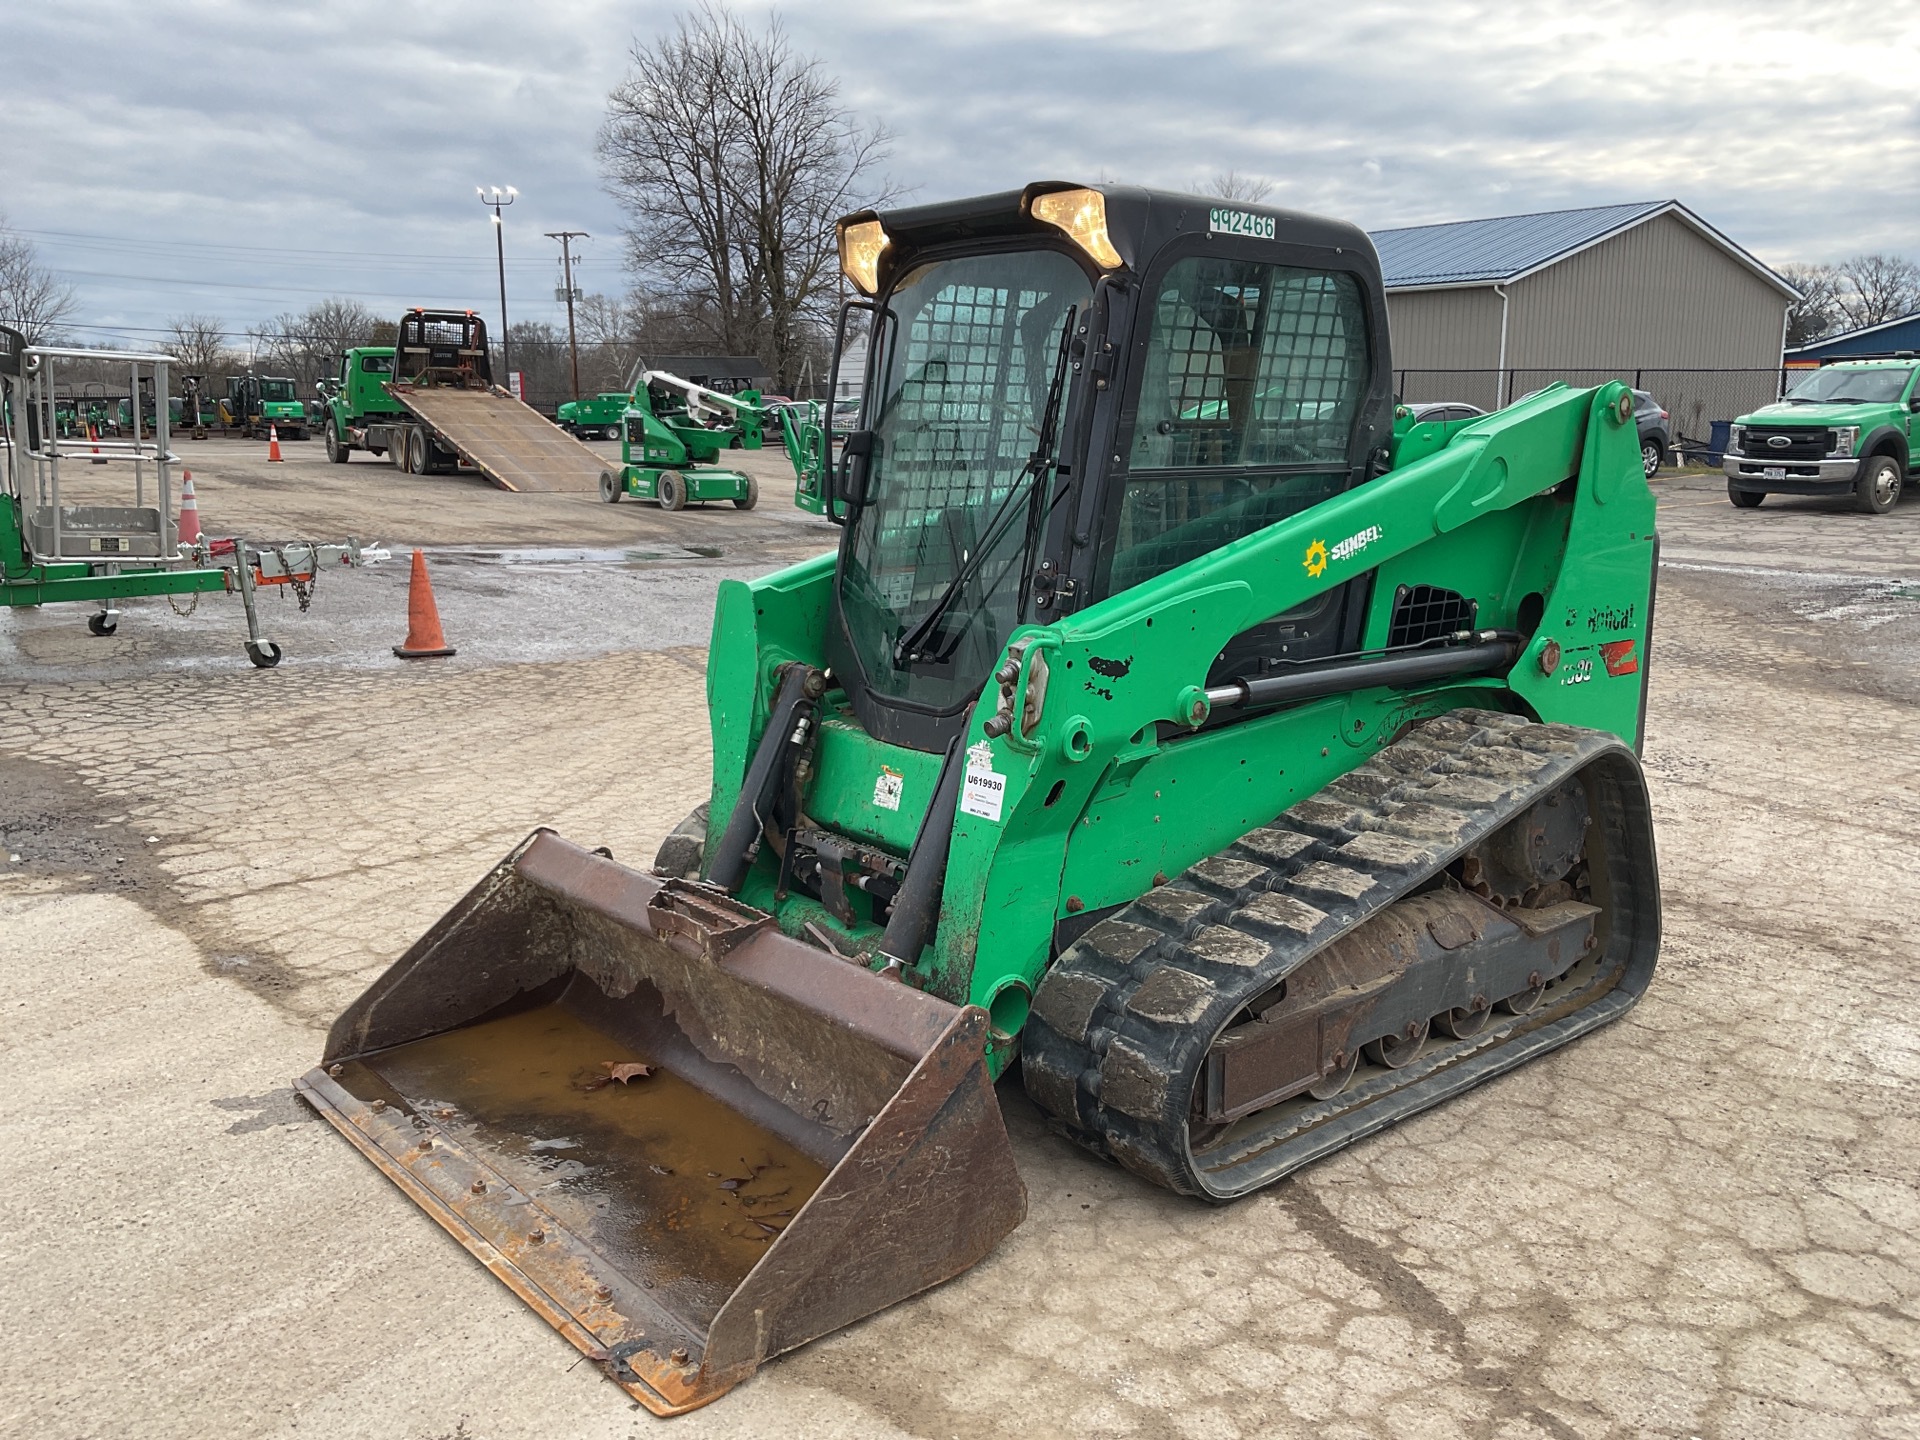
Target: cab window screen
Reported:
[(1253, 377), (377, 364)]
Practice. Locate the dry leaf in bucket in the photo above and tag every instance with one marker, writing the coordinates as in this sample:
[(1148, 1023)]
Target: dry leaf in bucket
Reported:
[(623, 1071)]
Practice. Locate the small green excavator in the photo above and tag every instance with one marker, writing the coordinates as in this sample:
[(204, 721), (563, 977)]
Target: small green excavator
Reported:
[(1177, 726)]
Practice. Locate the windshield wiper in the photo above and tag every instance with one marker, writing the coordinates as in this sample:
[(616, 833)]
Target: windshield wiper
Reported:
[(907, 649)]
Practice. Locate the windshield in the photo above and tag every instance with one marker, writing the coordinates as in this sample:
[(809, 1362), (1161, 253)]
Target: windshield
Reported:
[(971, 348), (1881, 385), (276, 389)]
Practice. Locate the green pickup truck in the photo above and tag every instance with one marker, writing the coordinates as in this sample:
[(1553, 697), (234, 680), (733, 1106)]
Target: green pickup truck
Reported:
[(1846, 429)]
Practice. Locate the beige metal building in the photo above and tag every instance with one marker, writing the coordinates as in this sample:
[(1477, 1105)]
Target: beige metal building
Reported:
[(1486, 310)]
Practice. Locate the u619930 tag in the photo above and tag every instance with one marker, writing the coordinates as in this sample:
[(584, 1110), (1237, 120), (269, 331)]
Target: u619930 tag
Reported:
[(983, 790)]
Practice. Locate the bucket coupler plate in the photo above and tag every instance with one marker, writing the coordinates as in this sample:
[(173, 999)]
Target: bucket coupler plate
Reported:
[(687, 1140)]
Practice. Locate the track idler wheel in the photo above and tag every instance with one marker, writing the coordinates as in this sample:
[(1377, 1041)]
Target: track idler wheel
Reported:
[(1528, 860), (1466, 1021), (1395, 1051), (1336, 1079), (1526, 1001)]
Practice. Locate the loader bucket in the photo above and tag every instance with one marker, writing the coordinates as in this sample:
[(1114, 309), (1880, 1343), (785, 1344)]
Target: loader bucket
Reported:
[(687, 1140)]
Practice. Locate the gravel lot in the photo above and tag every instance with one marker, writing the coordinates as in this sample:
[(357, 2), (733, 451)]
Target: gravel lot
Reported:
[(1701, 1221)]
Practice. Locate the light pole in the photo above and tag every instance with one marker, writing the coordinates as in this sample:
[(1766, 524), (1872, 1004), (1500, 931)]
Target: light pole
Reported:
[(498, 198), (566, 239)]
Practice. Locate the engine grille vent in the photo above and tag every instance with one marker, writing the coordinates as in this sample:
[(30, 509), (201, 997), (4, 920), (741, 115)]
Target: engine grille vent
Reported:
[(1426, 612), (1802, 443)]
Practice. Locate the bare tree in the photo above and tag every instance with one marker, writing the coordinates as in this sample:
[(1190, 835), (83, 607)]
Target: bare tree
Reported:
[(609, 341), (199, 343), (33, 300), (1248, 189), (733, 157), (540, 355), (1878, 288), (308, 345), (1816, 314)]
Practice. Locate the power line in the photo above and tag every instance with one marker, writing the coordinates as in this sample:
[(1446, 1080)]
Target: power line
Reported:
[(272, 336), (208, 248)]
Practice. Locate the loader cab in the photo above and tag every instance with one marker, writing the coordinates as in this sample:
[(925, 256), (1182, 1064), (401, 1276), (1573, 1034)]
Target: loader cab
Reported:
[(1073, 390)]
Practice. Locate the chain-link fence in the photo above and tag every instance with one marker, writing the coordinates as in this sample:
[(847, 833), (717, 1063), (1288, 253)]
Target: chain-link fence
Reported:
[(1694, 398)]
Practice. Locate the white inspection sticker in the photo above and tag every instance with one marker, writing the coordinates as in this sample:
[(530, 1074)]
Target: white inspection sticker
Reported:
[(886, 789), (983, 789)]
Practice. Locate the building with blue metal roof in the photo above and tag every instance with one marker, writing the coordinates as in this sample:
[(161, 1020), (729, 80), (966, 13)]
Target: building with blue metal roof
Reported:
[(1486, 310), (1890, 337)]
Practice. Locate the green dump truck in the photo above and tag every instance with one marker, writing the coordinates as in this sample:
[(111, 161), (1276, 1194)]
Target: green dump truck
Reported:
[(1846, 429)]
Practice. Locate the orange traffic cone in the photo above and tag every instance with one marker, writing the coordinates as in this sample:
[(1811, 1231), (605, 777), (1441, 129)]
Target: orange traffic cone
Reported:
[(189, 510), (424, 637), (273, 442), (94, 435)]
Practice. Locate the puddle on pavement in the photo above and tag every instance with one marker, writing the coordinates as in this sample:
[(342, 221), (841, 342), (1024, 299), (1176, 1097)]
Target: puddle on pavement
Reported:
[(1879, 603), (581, 555), (670, 1186)]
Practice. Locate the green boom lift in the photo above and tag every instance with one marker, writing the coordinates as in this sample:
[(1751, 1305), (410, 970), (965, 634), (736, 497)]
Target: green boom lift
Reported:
[(669, 447), (1253, 765)]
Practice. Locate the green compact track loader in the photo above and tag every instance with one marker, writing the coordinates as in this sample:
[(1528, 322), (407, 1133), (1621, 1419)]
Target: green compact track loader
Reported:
[(1178, 726)]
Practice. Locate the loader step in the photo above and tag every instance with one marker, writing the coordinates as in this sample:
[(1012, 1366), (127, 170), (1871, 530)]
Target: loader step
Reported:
[(1146, 1037)]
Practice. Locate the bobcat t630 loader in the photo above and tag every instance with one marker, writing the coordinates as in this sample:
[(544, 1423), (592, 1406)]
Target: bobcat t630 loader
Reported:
[(1177, 722)]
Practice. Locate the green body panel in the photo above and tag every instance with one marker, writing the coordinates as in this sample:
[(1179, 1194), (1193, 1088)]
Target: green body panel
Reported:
[(246, 401), (805, 440), (597, 412), (849, 764), (358, 394), (1477, 507), (1889, 426), (650, 444), (703, 482)]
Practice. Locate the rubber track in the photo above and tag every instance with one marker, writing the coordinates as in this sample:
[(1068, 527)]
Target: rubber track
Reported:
[(1122, 1022)]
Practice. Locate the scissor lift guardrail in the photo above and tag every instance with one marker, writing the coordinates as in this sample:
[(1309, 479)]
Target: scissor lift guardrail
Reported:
[(53, 551)]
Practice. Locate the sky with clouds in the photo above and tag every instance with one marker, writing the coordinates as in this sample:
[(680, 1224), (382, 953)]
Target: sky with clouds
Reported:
[(239, 158)]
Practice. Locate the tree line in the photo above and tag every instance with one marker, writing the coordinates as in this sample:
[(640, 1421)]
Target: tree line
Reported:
[(731, 155), (1858, 292)]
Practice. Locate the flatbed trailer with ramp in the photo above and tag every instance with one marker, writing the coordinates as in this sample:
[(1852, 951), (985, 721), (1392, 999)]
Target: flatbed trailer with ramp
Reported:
[(429, 404)]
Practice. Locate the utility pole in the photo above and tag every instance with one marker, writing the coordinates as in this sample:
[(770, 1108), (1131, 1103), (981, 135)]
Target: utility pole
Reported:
[(497, 199), (566, 239)]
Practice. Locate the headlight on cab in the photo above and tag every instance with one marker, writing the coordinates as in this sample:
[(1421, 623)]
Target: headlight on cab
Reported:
[(1083, 215), (1845, 437), (1737, 440), (861, 246)]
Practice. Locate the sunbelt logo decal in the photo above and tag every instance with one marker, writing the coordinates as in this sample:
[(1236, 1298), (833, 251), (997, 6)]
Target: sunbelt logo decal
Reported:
[(1319, 553)]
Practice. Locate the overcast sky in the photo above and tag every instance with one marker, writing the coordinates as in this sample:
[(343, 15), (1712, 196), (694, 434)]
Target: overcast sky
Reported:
[(240, 158)]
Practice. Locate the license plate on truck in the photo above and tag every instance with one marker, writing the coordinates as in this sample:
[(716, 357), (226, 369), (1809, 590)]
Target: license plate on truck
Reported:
[(1773, 472)]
